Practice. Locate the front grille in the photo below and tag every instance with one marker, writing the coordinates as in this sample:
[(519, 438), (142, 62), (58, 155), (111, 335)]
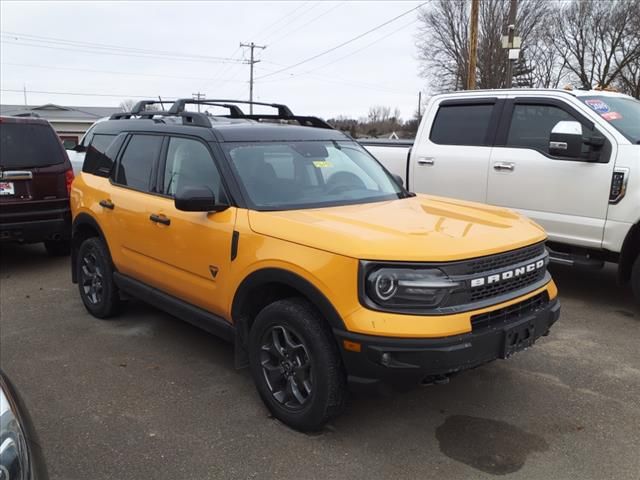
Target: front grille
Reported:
[(495, 262), (510, 313), (497, 289)]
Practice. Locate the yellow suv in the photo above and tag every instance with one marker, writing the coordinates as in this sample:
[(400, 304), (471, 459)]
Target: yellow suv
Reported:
[(290, 240)]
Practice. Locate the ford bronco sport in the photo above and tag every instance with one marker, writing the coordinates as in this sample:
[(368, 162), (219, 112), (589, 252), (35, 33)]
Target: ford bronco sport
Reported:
[(295, 244)]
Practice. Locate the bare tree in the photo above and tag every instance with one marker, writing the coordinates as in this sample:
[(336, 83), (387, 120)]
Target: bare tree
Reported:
[(127, 105), (443, 41), (598, 40)]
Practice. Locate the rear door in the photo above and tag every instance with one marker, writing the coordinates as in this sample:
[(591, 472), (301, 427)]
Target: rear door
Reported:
[(452, 158), (33, 164), (569, 197)]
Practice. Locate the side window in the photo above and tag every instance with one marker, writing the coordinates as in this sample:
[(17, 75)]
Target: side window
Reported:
[(531, 125), (190, 164), (462, 124), (96, 160), (88, 136), (136, 164)]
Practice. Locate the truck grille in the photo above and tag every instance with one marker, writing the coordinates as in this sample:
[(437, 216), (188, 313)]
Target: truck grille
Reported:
[(495, 262), (510, 313), (495, 290)]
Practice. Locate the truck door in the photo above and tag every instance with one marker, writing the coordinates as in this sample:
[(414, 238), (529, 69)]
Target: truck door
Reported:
[(569, 197), (451, 155)]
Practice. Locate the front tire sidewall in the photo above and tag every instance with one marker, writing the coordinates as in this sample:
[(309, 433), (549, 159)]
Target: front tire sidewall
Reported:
[(328, 388)]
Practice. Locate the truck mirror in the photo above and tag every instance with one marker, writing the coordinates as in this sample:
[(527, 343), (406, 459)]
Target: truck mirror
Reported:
[(566, 139)]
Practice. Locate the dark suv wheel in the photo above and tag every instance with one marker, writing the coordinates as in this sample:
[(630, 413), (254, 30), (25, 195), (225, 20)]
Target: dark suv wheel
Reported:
[(98, 291), (635, 279), (296, 365), (58, 248)]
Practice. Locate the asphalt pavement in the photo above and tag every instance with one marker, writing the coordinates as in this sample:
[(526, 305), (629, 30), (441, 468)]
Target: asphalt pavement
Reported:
[(146, 396)]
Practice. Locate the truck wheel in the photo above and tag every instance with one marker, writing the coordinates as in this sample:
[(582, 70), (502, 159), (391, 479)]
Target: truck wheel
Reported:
[(635, 279), (98, 291), (296, 365), (58, 248)]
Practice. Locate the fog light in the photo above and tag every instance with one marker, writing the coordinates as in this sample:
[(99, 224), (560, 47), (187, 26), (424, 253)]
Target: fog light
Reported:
[(385, 359)]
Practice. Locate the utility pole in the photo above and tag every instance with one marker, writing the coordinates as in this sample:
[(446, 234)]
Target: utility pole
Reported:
[(473, 45), (251, 63), (198, 96), (24, 89), (420, 104), (514, 51)]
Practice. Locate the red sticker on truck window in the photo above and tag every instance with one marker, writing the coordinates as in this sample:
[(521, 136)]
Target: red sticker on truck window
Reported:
[(611, 116), (598, 105)]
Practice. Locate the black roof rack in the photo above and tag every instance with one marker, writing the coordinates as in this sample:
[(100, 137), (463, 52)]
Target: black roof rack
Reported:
[(188, 118), (284, 113)]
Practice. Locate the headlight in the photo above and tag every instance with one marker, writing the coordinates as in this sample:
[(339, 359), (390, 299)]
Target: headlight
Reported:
[(407, 288)]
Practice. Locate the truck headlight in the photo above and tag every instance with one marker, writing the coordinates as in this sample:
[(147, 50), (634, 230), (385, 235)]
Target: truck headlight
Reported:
[(408, 287)]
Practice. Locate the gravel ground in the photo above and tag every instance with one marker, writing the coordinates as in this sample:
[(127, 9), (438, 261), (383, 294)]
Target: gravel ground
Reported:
[(146, 396)]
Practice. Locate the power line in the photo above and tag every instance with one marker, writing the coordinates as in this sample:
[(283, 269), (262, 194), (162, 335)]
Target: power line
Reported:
[(84, 94), (344, 43), (110, 72), (314, 19), (104, 47), (284, 17), (291, 21)]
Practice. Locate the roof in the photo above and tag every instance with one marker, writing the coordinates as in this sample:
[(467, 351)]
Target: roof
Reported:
[(534, 91), (247, 131), (29, 120), (54, 112)]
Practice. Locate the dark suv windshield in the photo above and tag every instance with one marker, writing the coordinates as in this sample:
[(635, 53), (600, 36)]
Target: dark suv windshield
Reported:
[(623, 113), (27, 145), (308, 174)]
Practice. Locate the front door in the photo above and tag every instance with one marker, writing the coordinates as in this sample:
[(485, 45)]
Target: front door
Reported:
[(569, 197), (190, 251)]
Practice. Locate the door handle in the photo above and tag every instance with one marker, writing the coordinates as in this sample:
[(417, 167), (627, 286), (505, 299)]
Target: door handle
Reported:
[(504, 166), (160, 219), (107, 204), (425, 161)]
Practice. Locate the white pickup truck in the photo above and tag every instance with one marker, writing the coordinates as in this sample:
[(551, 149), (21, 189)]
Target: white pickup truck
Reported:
[(569, 160)]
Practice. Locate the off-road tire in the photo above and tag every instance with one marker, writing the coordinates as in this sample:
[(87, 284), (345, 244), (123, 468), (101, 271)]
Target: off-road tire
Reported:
[(104, 300), (58, 248), (327, 377), (635, 279)]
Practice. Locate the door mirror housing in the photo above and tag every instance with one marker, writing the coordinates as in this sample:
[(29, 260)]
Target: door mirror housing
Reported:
[(197, 199), (566, 139)]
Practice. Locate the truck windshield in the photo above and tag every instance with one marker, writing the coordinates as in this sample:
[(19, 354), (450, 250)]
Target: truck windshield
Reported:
[(623, 113), (309, 174)]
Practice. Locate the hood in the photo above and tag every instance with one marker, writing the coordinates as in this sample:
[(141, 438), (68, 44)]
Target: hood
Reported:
[(421, 228)]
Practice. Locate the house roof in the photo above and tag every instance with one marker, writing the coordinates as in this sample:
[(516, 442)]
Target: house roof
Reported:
[(54, 112)]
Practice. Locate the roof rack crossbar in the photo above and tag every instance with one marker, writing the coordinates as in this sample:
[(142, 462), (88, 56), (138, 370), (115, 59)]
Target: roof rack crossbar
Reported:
[(188, 118), (303, 120), (178, 105)]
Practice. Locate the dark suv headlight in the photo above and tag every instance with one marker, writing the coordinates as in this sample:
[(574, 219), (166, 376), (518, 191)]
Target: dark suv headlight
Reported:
[(401, 288)]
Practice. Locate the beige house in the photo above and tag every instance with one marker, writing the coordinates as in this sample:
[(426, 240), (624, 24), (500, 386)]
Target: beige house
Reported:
[(69, 122)]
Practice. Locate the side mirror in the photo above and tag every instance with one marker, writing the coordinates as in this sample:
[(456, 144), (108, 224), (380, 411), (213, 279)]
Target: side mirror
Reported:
[(79, 148), (566, 139), (197, 199), (398, 179)]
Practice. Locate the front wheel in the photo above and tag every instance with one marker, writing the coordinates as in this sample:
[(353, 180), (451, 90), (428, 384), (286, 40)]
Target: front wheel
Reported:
[(635, 279), (296, 365)]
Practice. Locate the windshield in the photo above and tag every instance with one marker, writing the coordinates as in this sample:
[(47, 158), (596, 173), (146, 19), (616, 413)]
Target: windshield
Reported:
[(623, 113), (308, 174)]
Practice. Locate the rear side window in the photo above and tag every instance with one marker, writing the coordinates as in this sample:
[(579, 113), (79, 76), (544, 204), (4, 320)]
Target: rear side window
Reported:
[(135, 169), (96, 160), (25, 145), (462, 124)]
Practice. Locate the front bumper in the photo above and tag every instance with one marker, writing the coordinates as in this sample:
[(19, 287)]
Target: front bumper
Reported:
[(413, 361)]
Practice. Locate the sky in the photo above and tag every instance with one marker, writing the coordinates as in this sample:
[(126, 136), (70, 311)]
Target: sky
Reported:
[(112, 51)]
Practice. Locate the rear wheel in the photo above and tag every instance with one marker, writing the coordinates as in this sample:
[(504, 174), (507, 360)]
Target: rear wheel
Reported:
[(635, 279), (98, 291), (58, 248), (296, 365)]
